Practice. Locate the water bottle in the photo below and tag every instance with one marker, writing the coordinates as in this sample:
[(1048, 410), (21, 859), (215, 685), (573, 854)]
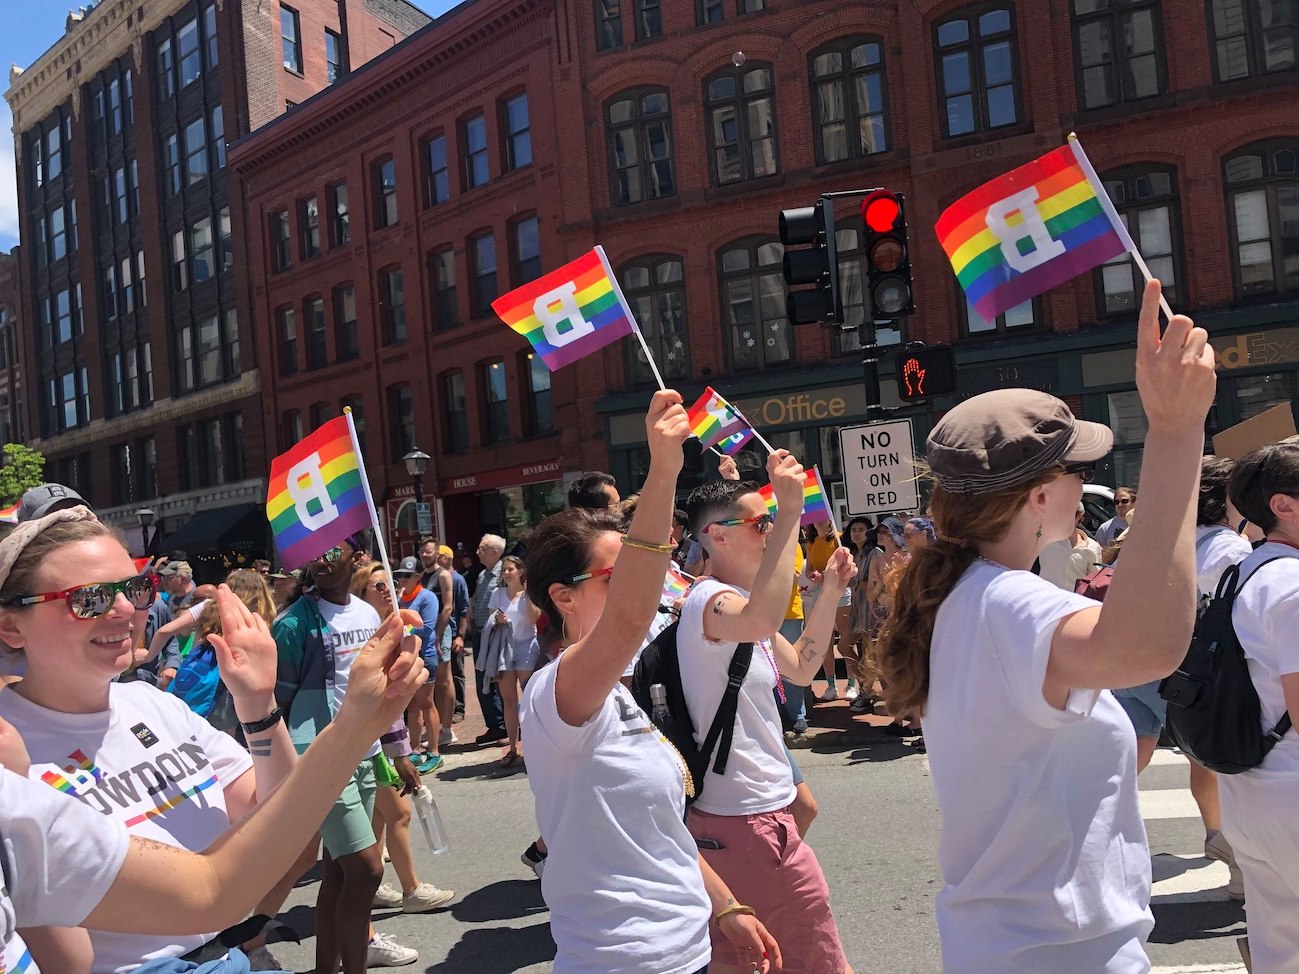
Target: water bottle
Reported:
[(430, 820), (659, 712)]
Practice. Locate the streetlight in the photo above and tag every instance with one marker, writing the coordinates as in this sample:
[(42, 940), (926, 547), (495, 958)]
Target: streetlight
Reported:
[(416, 463), (146, 517)]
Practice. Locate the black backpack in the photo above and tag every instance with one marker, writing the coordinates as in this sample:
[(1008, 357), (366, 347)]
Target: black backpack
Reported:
[(658, 664), (1214, 713)]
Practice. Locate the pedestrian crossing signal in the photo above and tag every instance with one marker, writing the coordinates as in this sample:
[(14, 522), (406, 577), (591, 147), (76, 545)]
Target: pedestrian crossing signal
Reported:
[(926, 372)]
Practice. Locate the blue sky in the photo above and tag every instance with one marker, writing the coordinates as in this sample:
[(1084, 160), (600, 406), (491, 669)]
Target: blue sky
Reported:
[(25, 39)]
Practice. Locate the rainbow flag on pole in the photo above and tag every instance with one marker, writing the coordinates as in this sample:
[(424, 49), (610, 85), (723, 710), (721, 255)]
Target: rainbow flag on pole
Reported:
[(317, 494), (570, 312), (10, 514), (816, 503), (676, 583), (1035, 227), (714, 420), (733, 444)]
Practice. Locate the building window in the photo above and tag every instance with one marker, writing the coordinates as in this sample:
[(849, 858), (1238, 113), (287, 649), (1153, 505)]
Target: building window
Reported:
[(287, 327), (227, 243), (309, 220), (1117, 49), (496, 403), (123, 475), (291, 428), (62, 316), (753, 305), (114, 107), (281, 250), (187, 51), (195, 150), (608, 24), (346, 342), (649, 20), (518, 134), (1022, 317), (210, 34), (392, 305), (179, 267), (149, 467), (58, 240), (655, 289), (290, 39), (202, 251), (741, 124), (540, 417), (474, 139), (1146, 199), (482, 251), (166, 69), (709, 12), (1263, 200), (317, 344), (54, 152), (640, 146), (403, 416), (1253, 37), (185, 360), (217, 133), (209, 351), (439, 181), (214, 469), (848, 99), (977, 71), (124, 280), (333, 56), (456, 412), (340, 226), (385, 187), (526, 243), (442, 267), (131, 397), (120, 205), (171, 164)]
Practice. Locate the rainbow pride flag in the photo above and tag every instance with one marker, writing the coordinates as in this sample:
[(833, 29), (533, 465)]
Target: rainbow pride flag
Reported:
[(10, 514), (1030, 230), (816, 503), (316, 497), (769, 498), (676, 583), (733, 444), (570, 312), (714, 420)]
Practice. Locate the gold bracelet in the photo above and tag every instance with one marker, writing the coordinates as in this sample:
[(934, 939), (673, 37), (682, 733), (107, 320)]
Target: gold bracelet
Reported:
[(658, 549), (738, 908)]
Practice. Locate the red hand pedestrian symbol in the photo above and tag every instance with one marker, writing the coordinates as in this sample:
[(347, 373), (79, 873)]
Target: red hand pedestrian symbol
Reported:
[(914, 377)]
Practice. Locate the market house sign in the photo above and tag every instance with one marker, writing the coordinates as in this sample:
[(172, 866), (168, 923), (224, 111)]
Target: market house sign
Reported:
[(528, 473)]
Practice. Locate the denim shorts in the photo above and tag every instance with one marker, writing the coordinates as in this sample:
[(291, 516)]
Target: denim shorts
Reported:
[(1147, 710)]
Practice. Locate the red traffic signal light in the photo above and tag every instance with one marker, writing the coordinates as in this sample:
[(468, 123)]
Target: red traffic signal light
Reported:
[(880, 211), (925, 372)]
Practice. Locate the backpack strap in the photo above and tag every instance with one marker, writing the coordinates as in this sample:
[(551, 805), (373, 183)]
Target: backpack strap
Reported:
[(723, 726)]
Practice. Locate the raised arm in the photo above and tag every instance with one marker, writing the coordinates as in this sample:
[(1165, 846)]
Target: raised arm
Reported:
[(800, 661)]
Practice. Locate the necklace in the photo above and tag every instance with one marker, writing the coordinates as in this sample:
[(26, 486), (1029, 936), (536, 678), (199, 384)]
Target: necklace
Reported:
[(687, 779), (995, 564), (771, 658)]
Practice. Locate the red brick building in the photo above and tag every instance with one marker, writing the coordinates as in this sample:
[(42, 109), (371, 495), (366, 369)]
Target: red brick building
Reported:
[(144, 388), (673, 132), (10, 331)]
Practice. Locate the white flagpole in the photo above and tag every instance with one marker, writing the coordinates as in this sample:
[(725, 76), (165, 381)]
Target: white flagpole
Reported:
[(1108, 206), (622, 300), (369, 501)]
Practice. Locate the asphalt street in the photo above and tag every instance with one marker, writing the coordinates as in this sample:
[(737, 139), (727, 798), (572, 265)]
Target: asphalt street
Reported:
[(876, 836)]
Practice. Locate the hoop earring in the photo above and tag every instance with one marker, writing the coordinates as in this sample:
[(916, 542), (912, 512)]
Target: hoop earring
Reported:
[(563, 633)]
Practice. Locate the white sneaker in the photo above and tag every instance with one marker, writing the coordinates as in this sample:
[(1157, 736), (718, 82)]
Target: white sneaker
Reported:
[(447, 736), (386, 857), (261, 959), (851, 693), (386, 952), (425, 898), (831, 693), (1219, 848), (387, 897)]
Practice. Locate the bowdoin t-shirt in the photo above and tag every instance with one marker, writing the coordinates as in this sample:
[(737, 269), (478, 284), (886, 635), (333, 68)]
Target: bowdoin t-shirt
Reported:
[(622, 880), (350, 627), (1043, 851), (758, 777), (148, 763), (59, 859)]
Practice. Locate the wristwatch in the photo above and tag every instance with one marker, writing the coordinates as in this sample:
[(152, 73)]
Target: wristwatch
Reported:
[(266, 723)]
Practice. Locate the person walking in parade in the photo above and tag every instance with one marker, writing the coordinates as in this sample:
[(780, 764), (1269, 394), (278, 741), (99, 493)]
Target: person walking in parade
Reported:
[(490, 550), (422, 718)]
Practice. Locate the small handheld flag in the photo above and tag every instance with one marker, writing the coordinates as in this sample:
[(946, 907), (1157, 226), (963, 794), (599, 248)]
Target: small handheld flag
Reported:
[(569, 313), (676, 583), (9, 515), (317, 494), (816, 504), (713, 419), (733, 444), (1030, 230)]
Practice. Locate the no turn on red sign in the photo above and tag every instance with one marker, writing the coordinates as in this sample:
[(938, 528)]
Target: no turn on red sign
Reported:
[(879, 467)]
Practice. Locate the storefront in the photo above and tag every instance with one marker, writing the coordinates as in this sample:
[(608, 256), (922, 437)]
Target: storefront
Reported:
[(509, 501), (402, 520)]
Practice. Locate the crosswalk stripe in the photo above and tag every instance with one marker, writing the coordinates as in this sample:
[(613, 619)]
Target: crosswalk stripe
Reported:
[(1168, 803), (1187, 879)]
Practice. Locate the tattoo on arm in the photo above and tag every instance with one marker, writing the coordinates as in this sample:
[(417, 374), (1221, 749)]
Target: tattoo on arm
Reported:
[(809, 652), (259, 747), (717, 606)]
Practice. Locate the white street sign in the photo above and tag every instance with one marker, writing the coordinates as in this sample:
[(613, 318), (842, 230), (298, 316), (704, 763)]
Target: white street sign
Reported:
[(879, 469)]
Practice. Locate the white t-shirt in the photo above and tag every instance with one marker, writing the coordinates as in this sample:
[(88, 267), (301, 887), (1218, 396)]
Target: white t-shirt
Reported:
[(1043, 851), (1062, 563), (1213, 557), (147, 762), (1266, 617), (350, 627), (59, 861), (758, 777), (622, 879), (516, 611)]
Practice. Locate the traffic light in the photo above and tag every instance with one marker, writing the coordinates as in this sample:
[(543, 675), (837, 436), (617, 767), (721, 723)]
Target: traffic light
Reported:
[(816, 265), (925, 372), (888, 261)]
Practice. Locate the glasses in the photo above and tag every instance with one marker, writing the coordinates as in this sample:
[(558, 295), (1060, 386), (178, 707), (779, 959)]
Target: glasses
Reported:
[(1083, 471), (379, 585), (1123, 503), (96, 599), (598, 573), (334, 554), (761, 522)]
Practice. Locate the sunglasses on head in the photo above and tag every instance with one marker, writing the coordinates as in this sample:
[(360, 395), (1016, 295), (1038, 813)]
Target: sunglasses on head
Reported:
[(761, 522), (1084, 471), (598, 573), (94, 600)]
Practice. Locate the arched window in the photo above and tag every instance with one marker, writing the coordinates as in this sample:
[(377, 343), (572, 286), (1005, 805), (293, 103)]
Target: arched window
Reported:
[(1262, 189), (753, 304), (978, 70), (847, 78), (655, 289), (640, 146), (1252, 37), (741, 105), (1146, 198)]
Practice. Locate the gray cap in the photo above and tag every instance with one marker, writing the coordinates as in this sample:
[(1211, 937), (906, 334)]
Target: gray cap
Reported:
[(46, 499), (1007, 437), (409, 565)]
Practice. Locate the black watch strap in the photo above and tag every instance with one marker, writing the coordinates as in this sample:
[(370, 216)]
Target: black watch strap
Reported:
[(266, 723)]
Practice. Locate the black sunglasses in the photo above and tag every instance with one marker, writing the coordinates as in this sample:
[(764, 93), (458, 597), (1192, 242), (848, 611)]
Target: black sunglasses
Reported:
[(1083, 471)]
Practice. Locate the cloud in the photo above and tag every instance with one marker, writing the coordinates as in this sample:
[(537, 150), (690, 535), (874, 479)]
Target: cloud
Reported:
[(8, 182)]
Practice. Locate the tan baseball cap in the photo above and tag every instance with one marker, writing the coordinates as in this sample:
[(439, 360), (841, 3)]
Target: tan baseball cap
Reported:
[(1007, 437)]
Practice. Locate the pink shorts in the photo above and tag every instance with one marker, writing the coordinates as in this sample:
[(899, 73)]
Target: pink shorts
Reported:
[(768, 866)]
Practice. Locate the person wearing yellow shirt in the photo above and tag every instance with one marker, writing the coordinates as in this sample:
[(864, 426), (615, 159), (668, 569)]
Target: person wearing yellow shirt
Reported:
[(819, 549)]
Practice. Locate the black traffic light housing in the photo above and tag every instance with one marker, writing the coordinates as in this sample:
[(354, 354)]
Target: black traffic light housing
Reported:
[(817, 265), (888, 256), (926, 371)]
